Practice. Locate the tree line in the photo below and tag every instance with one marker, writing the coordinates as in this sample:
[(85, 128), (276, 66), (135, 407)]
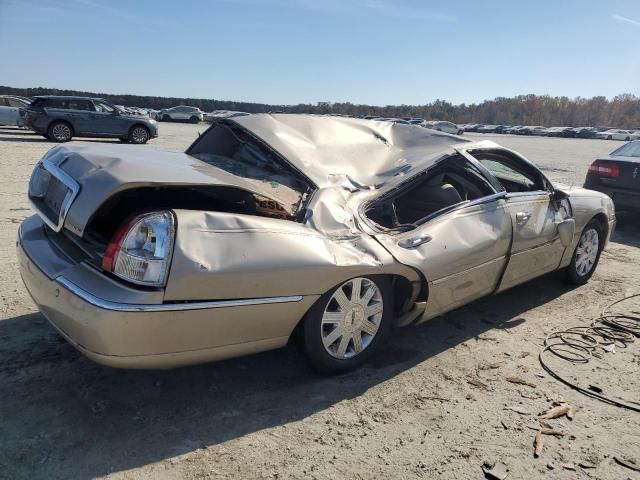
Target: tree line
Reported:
[(622, 111)]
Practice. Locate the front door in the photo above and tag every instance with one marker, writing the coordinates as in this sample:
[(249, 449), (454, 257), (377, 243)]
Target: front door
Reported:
[(537, 248), (106, 120)]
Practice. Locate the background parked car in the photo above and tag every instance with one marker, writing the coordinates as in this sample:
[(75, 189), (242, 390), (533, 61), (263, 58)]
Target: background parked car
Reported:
[(512, 130), (616, 134), (532, 130), (473, 127), (182, 113), (444, 126), (618, 175), (10, 110), (586, 132), (61, 118)]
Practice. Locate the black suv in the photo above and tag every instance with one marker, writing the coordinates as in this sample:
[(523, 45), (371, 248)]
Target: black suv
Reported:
[(61, 118)]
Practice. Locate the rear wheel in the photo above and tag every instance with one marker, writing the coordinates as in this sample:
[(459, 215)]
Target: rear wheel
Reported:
[(60, 132), (348, 324), (608, 137), (139, 135), (627, 139), (587, 254)]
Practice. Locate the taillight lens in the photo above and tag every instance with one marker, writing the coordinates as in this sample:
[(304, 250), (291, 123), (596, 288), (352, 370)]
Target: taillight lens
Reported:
[(604, 169), (140, 251)]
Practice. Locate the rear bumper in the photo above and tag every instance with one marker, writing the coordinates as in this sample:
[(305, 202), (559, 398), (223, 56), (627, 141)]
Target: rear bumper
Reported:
[(82, 304), (623, 199)]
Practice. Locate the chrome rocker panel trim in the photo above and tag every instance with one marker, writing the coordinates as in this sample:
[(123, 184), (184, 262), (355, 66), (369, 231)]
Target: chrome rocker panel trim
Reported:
[(168, 307)]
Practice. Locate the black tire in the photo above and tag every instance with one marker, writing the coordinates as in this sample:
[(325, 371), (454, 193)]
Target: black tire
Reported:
[(60, 132), (627, 139), (194, 119), (312, 331), (166, 118), (139, 135), (608, 137), (572, 271)]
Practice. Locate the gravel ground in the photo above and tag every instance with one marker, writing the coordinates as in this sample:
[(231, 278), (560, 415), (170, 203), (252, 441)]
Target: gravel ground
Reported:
[(411, 413)]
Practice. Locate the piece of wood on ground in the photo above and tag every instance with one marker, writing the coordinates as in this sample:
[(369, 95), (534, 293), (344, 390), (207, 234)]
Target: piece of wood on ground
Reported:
[(520, 381), (537, 444), (556, 412)]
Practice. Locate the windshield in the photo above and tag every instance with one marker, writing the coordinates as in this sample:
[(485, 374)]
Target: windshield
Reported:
[(234, 150), (629, 150)]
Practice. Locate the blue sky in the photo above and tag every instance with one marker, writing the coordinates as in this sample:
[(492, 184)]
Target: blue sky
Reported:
[(291, 51)]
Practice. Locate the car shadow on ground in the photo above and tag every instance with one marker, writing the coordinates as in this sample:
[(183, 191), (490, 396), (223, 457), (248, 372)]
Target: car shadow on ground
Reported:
[(86, 420), (627, 229)]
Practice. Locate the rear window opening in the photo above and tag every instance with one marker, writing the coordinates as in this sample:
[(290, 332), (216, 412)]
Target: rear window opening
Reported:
[(454, 182), (231, 148)]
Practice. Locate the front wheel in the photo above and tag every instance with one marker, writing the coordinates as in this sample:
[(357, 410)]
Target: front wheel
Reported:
[(348, 324), (194, 119), (587, 254), (139, 135)]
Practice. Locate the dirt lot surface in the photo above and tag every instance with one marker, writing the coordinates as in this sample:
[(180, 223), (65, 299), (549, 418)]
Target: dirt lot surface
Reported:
[(434, 404)]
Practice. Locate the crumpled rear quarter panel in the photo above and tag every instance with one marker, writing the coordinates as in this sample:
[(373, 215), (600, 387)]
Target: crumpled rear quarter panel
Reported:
[(228, 256)]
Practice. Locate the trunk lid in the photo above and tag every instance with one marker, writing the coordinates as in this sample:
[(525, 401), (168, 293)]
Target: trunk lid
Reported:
[(628, 176), (101, 171)]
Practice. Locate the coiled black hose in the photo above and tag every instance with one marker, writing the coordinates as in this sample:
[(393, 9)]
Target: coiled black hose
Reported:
[(578, 344)]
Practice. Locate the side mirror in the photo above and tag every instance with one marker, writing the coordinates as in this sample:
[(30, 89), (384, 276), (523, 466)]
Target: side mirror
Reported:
[(558, 195)]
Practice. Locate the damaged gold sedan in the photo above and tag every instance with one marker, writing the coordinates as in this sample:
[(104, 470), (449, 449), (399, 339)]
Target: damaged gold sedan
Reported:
[(327, 229)]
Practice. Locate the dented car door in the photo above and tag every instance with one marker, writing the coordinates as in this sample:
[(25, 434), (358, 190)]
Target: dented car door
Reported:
[(461, 253)]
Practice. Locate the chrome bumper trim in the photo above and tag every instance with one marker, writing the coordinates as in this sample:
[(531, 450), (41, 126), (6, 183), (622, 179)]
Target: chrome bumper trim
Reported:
[(167, 307)]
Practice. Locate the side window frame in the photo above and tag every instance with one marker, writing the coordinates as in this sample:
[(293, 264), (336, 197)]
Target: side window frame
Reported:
[(543, 183), (411, 183)]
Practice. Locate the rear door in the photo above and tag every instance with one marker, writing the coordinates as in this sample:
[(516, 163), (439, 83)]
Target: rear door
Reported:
[(462, 250), (79, 113)]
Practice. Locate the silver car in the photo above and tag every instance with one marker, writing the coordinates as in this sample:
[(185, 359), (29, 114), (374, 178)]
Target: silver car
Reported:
[(10, 110), (181, 113), (329, 230)]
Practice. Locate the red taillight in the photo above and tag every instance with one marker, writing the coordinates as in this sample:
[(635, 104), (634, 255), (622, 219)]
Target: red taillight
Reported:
[(110, 254), (604, 169)]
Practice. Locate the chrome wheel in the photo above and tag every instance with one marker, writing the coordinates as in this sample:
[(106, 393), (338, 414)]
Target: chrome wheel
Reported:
[(139, 135), (352, 318), (61, 132), (587, 252)]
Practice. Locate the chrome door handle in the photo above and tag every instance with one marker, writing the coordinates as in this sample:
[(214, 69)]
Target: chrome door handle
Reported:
[(413, 242), (522, 217)]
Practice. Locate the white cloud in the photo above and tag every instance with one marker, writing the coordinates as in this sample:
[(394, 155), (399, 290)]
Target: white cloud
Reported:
[(630, 21)]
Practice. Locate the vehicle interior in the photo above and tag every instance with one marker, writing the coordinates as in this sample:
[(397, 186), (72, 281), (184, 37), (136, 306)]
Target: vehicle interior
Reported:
[(453, 182)]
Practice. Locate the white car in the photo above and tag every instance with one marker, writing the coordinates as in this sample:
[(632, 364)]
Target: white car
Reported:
[(446, 127), (615, 134), (10, 110), (181, 113)]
